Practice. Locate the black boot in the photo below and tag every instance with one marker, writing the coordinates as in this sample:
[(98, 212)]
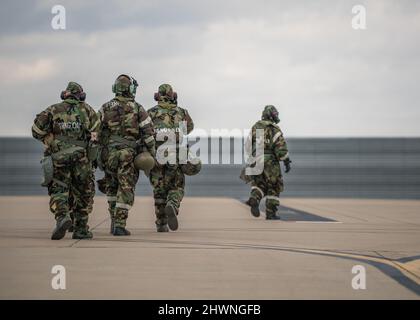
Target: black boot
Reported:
[(63, 224), (111, 231), (121, 231), (171, 214), (255, 207), (82, 233), (162, 228), (81, 228)]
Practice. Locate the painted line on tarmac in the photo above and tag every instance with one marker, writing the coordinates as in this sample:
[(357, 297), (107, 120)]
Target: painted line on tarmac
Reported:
[(315, 221), (405, 273), (403, 270)]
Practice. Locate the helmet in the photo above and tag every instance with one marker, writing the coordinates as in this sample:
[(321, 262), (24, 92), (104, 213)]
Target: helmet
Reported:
[(144, 161), (166, 92), (270, 113), (74, 90), (125, 85), (191, 169)]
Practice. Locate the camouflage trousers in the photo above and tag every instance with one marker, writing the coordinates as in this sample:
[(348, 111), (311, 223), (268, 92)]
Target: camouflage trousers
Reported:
[(72, 191), (168, 182), (121, 177), (269, 184)]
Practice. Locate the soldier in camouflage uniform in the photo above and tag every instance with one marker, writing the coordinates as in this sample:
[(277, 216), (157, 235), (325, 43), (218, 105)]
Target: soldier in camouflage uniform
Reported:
[(125, 128), (168, 179), (68, 129), (269, 183)]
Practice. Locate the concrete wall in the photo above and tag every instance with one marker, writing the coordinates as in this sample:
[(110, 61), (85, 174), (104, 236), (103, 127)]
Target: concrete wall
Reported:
[(359, 168)]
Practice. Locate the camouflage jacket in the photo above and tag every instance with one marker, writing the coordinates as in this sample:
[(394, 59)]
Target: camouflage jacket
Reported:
[(125, 118), (169, 116), (275, 145), (70, 119)]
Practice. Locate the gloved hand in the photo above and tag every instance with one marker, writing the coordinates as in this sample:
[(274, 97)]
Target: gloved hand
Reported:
[(287, 163)]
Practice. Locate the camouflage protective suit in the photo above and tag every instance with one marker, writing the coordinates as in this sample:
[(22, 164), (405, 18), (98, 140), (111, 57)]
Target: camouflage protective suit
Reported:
[(269, 183), (125, 127), (65, 129), (167, 179)]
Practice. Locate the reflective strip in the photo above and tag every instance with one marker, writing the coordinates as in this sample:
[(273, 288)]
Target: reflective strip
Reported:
[(284, 157), (145, 122), (38, 130), (123, 206), (111, 198), (151, 138), (273, 198), (276, 136), (258, 189)]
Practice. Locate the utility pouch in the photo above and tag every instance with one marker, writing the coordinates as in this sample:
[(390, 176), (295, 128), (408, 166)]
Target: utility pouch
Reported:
[(47, 170), (92, 151), (68, 155)]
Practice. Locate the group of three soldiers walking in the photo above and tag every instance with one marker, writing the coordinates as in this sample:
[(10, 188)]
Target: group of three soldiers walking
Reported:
[(77, 139)]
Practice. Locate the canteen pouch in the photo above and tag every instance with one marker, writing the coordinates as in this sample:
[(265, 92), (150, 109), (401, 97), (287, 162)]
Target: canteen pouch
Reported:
[(92, 151)]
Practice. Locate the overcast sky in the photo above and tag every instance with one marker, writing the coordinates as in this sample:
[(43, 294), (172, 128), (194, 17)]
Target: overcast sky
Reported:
[(226, 59)]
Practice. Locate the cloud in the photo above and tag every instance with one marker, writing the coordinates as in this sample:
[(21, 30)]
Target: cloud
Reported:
[(19, 73), (226, 60)]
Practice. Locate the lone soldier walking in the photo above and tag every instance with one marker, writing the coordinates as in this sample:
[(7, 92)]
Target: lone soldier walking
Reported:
[(269, 183), (168, 179), (69, 130), (125, 126)]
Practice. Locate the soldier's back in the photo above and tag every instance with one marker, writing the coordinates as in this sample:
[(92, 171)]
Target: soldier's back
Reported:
[(121, 118)]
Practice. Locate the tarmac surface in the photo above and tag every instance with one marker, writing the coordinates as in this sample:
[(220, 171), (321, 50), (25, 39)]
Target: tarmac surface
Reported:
[(219, 252)]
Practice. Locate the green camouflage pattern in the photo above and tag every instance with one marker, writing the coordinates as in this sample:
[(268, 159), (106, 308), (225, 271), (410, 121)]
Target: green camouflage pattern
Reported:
[(165, 90), (125, 118), (72, 191), (74, 87), (270, 113), (122, 86), (70, 118), (168, 184), (72, 188), (122, 117), (168, 180), (270, 182), (168, 115), (121, 178)]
